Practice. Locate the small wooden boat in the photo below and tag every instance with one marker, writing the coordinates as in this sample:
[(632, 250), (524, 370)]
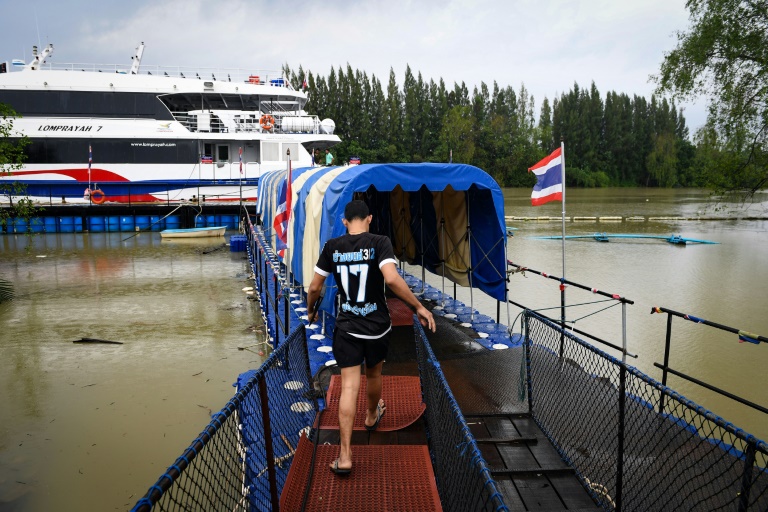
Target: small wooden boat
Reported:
[(193, 232)]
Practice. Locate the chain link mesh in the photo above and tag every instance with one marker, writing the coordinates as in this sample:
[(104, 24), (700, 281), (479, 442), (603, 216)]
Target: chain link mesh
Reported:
[(462, 475), (646, 448), (226, 467)]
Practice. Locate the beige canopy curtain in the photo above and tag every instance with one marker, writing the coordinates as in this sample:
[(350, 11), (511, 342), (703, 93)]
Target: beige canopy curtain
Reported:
[(402, 236), (453, 243)]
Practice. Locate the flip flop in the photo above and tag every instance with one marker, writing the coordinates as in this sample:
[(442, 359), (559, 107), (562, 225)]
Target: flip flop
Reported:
[(340, 471), (379, 414)]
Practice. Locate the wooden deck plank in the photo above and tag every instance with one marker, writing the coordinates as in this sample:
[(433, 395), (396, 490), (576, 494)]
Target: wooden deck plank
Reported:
[(377, 437), (544, 452), (516, 456), (491, 455), (572, 492), (500, 427), (537, 493), (511, 497)]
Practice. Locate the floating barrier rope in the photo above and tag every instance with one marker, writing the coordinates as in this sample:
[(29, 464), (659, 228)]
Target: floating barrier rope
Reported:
[(605, 237)]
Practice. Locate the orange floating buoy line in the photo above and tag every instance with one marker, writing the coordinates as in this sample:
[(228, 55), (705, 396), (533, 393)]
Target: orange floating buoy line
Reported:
[(267, 122)]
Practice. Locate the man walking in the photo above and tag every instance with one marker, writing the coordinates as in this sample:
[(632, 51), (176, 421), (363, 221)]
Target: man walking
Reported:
[(361, 264), (328, 157)]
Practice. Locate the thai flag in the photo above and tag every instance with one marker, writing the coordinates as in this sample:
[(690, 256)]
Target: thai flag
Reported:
[(205, 159), (241, 160), (283, 214), (549, 179), (90, 158)]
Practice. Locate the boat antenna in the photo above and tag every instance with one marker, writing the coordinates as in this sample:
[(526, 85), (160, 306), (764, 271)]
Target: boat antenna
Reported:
[(137, 59)]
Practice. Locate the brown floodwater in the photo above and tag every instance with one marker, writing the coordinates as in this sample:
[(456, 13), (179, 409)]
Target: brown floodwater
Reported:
[(92, 426)]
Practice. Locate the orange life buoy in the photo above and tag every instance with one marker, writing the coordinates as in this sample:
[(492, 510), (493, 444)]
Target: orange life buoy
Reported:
[(267, 122), (97, 196)]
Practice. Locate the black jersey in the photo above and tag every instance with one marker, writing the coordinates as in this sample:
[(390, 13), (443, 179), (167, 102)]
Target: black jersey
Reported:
[(355, 262)]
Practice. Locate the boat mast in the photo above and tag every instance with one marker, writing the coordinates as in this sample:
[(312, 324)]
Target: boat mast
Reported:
[(39, 59), (137, 59)]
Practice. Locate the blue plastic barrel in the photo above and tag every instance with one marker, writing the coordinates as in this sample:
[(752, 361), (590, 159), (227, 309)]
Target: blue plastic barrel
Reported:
[(37, 225), (172, 222), (211, 220), (127, 223), (19, 225), (78, 224), (66, 224), (155, 223), (113, 224), (142, 222), (96, 224), (50, 224), (200, 222)]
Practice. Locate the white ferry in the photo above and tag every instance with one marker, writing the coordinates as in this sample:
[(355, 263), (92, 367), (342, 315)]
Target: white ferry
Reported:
[(126, 134)]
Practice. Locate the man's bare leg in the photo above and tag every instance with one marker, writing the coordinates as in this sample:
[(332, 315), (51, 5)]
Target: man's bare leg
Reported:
[(350, 388), (373, 392)]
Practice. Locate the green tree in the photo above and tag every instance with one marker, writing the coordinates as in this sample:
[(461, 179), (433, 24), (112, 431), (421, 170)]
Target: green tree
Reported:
[(457, 135), (12, 157), (662, 161), (724, 56)]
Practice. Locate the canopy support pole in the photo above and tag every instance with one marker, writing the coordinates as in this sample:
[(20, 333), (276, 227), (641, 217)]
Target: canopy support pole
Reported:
[(442, 232), (421, 238), (469, 270), (402, 229)]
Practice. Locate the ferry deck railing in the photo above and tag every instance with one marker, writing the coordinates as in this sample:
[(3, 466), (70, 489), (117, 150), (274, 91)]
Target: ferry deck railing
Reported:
[(634, 443)]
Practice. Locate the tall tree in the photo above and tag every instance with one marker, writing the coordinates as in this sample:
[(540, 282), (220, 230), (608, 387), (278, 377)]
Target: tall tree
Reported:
[(724, 56)]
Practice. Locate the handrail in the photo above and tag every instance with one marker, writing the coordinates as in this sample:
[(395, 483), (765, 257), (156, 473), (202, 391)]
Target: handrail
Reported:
[(666, 369), (722, 327), (615, 296)]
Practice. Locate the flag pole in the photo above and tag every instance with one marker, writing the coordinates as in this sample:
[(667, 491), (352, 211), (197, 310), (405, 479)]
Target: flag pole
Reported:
[(562, 283)]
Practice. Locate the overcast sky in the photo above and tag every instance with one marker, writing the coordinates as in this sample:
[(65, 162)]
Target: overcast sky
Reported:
[(546, 44)]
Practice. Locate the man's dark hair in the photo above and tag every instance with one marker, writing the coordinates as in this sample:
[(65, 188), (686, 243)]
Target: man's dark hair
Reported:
[(356, 209)]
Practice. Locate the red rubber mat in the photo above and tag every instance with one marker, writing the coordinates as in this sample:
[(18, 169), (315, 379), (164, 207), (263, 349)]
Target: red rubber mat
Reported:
[(402, 396), (389, 478), (399, 312)]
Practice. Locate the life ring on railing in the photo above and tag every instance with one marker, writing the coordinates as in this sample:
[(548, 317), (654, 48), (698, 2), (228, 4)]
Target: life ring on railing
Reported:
[(267, 122), (97, 196)]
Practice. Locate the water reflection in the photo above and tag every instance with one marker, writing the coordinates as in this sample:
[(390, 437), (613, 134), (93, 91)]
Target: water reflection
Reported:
[(72, 410)]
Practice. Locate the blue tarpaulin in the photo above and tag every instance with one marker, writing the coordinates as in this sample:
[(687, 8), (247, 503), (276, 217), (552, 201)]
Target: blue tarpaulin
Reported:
[(432, 212)]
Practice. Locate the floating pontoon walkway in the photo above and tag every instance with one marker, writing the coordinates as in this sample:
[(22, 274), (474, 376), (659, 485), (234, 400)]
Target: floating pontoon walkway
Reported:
[(392, 469)]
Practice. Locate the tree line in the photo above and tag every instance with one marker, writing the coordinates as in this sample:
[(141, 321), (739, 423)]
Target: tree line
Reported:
[(611, 140)]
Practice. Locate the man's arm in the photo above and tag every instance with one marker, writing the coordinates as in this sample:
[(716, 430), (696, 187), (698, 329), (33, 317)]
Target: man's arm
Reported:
[(400, 288), (315, 287)]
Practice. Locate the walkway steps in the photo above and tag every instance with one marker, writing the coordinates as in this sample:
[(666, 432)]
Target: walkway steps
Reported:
[(527, 468)]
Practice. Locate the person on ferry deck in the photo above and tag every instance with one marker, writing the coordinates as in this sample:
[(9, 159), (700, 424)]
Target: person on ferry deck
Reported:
[(361, 264), (328, 157)]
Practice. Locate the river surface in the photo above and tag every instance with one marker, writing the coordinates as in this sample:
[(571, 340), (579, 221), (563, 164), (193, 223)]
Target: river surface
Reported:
[(92, 426)]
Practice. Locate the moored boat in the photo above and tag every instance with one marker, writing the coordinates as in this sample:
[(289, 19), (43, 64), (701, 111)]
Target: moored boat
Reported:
[(147, 134), (194, 232)]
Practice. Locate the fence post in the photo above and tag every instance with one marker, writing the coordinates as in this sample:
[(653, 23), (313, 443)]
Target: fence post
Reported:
[(527, 347), (746, 479), (263, 398), (620, 448), (276, 297), (287, 309), (666, 362)]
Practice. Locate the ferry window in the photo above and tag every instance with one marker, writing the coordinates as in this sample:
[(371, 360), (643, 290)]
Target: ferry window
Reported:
[(294, 147), (223, 153), (208, 150), (270, 151)]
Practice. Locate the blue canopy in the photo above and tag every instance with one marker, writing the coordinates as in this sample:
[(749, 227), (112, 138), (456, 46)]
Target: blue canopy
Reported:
[(447, 217)]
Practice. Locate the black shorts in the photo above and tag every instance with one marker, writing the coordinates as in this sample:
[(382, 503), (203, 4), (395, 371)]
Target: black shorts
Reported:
[(351, 351)]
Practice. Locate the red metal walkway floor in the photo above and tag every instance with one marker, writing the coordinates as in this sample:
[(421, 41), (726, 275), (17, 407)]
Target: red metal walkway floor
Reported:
[(384, 478), (402, 396), (389, 471)]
